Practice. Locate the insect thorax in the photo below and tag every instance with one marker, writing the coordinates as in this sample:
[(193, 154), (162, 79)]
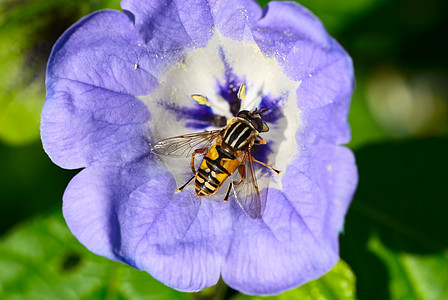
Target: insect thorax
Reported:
[(238, 134)]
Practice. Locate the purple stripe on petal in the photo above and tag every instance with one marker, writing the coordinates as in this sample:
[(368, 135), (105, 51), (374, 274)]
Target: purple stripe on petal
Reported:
[(273, 108), (261, 153), (199, 117), (229, 89)]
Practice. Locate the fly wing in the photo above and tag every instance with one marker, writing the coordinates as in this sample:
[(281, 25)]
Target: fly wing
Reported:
[(247, 192), (184, 145)]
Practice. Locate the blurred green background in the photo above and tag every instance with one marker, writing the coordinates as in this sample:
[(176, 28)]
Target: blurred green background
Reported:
[(395, 244)]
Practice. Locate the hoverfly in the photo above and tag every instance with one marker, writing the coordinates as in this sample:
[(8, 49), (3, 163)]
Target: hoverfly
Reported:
[(226, 151)]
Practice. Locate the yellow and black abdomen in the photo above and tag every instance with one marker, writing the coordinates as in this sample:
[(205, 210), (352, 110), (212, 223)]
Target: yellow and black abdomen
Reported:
[(216, 166)]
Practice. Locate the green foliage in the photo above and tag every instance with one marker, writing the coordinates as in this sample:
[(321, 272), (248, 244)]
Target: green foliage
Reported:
[(22, 95), (338, 284), (336, 15), (413, 276), (29, 183), (28, 30), (365, 129), (395, 233), (40, 259)]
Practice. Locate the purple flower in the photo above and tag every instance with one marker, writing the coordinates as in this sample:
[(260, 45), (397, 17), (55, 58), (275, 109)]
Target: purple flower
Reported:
[(117, 83)]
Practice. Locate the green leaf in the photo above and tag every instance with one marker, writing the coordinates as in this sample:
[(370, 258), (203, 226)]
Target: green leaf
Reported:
[(365, 129), (395, 233), (336, 15), (339, 283), (28, 30), (42, 260), (29, 183), (413, 276), (22, 97)]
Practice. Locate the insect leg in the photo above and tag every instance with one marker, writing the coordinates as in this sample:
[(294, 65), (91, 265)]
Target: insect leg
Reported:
[(261, 140), (268, 166), (242, 170), (228, 192), (201, 151), (182, 187)]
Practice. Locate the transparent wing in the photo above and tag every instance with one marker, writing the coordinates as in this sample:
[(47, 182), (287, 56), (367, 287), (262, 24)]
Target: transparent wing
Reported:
[(184, 145), (247, 192)]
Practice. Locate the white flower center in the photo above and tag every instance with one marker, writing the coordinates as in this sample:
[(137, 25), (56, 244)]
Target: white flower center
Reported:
[(225, 63)]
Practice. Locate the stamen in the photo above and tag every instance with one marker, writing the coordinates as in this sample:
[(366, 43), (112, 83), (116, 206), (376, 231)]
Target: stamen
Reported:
[(242, 92), (201, 100)]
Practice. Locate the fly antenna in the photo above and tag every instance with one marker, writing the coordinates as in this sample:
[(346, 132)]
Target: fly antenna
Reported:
[(264, 110)]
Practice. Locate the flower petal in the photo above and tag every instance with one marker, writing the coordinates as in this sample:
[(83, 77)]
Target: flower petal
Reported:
[(179, 240), (275, 253), (172, 25), (93, 196), (102, 50), (233, 17), (168, 26), (284, 23), (328, 123), (87, 208), (320, 185), (82, 124), (297, 239), (307, 53), (90, 112), (342, 182), (136, 219)]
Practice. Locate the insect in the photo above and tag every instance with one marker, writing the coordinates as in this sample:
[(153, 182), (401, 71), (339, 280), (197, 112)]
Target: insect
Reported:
[(227, 153)]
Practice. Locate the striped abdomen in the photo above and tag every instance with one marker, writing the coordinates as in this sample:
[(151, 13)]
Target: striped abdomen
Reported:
[(216, 166)]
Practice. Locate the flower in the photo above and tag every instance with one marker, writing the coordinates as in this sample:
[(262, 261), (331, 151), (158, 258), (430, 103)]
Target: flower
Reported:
[(117, 83)]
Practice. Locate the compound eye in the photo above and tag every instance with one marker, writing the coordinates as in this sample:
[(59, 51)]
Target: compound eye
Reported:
[(265, 127)]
